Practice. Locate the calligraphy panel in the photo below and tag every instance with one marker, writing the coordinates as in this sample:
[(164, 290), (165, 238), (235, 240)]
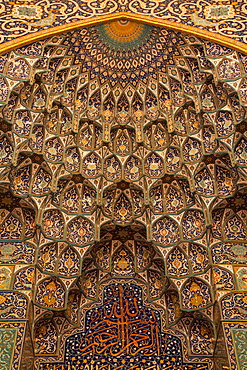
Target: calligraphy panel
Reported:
[(123, 334)]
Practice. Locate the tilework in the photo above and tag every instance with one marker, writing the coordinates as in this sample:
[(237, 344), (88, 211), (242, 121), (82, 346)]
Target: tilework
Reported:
[(123, 161), (93, 136), (236, 344), (21, 18), (240, 339), (240, 274), (122, 333), (234, 306), (114, 260), (11, 342), (7, 345)]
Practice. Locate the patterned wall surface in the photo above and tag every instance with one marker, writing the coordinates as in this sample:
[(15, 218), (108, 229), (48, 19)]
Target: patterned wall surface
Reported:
[(19, 18), (121, 319), (123, 160), (11, 342), (236, 335)]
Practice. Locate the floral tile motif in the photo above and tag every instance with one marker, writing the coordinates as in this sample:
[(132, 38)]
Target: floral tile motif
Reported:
[(11, 342), (236, 335), (20, 19)]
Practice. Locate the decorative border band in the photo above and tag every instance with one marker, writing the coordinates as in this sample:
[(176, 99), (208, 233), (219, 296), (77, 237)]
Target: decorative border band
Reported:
[(207, 35)]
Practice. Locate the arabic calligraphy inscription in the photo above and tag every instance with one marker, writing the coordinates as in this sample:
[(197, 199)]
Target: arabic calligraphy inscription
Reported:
[(123, 334)]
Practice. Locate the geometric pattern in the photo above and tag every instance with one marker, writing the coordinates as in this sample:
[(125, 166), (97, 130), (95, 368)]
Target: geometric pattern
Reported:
[(7, 338), (18, 20), (239, 337), (236, 334), (121, 314), (12, 337), (113, 260), (64, 146), (123, 161)]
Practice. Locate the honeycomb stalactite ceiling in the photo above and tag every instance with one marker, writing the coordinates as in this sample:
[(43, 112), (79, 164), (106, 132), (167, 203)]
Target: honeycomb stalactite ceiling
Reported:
[(123, 164), (122, 122)]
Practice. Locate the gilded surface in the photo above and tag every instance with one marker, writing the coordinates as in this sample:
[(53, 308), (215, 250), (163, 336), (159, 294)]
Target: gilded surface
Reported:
[(123, 164), (122, 334), (22, 18)]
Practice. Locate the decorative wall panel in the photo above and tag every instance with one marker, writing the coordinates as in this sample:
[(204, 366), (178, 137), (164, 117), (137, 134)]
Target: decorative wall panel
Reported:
[(236, 335), (123, 166), (20, 19), (122, 333), (12, 337)]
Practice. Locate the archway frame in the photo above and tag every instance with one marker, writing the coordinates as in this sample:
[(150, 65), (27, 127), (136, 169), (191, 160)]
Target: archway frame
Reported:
[(179, 27), (193, 31)]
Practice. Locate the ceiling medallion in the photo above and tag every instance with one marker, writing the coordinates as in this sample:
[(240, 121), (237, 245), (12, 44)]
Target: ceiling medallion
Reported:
[(124, 34)]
